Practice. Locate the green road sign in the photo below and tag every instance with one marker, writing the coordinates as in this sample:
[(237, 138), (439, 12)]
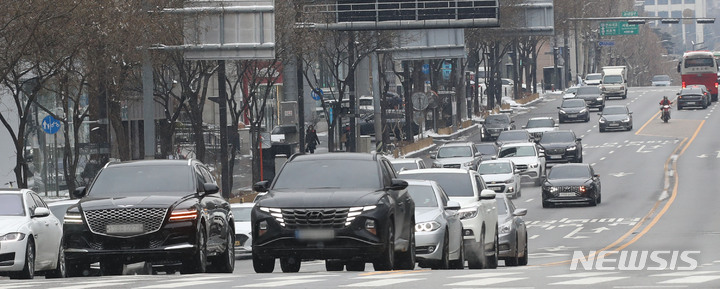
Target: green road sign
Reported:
[(618, 28), (629, 13)]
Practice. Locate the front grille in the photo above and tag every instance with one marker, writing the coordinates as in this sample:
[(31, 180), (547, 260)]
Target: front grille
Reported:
[(497, 188), (452, 166), (555, 151), (315, 218), (568, 189), (150, 218), (537, 135), (522, 167)]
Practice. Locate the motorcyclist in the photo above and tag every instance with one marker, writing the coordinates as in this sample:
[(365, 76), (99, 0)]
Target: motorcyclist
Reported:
[(665, 101)]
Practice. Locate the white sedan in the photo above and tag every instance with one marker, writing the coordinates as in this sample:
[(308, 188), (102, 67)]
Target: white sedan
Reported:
[(30, 236), (243, 231)]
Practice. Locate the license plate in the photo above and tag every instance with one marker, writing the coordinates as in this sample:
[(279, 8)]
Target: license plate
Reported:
[(124, 228), (566, 194), (555, 156), (692, 102), (497, 189), (571, 116), (237, 244), (614, 124), (314, 235)]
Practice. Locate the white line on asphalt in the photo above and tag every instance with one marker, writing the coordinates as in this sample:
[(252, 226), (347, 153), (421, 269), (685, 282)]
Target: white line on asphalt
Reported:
[(588, 281), (611, 152), (685, 273), (378, 283), (271, 284), (485, 282), (593, 164), (533, 237), (582, 275), (529, 200), (602, 158), (485, 275), (691, 280)]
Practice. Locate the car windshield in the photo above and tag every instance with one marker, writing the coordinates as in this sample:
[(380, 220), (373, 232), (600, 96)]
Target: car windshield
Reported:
[(454, 185), (661, 78), (569, 172), (328, 173), (494, 168), (534, 123), (404, 166), (512, 135), (423, 196), (571, 90), (523, 151), (614, 110), (573, 103), (593, 76), (241, 214), (613, 79), (550, 137), (486, 149), (501, 206), (496, 119), (588, 90), (366, 102), (11, 205), (454, 151), (131, 181)]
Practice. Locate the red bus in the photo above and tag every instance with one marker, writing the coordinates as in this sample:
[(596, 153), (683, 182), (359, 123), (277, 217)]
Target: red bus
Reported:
[(700, 67)]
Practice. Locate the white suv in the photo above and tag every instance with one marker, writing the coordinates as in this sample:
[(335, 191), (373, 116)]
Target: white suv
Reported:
[(527, 158), (457, 155), (478, 212)]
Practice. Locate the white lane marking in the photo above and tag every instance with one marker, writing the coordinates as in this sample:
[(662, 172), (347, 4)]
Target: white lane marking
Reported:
[(533, 237), (570, 235), (380, 283), (389, 276), (691, 280), (485, 275), (611, 152), (95, 284), (602, 158), (582, 275), (529, 200), (589, 281), (486, 281), (685, 273), (274, 283)]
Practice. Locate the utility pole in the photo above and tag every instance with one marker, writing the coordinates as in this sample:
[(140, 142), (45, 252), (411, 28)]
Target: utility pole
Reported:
[(222, 103)]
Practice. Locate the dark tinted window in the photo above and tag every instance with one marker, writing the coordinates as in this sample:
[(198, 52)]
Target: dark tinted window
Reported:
[(512, 135), (593, 77), (569, 172), (242, 214), (424, 196), (11, 205), (699, 62), (454, 151), (588, 90), (494, 168), (523, 151), (550, 137), (125, 181), (497, 118), (573, 103), (614, 110), (613, 79), (315, 174), (543, 122), (486, 149), (455, 185)]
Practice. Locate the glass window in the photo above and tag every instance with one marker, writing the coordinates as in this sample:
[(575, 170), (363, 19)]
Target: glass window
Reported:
[(614, 110), (676, 14), (423, 196), (556, 137), (522, 151), (11, 205), (486, 149), (336, 173), (454, 151), (242, 214), (569, 172), (142, 181), (662, 14), (399, 167), (676, 2), (494, 168), (689, 1), (546, 122), (455, 185), (662, 2), (649, 2), (613, 79)]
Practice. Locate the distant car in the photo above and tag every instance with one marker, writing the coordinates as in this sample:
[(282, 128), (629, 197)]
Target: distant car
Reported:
[(536, 126), (571, 183), (527, 158), (573, 110), (570, 92), (693, 95), (458, 155), (661, 80), (243, 229), (561, 147), (513, 136), (592, 95), (496, 123), (30, 236), (502, 177), (478, 212), (615, 117), (512, 237), (488, 151), (593, 79), (407, 164), (438, 230)]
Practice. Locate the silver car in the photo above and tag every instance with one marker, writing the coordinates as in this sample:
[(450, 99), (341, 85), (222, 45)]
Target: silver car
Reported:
[(458, 155), (407, 164), (512, 233), (438, 230), (501, 176), (243, 232)]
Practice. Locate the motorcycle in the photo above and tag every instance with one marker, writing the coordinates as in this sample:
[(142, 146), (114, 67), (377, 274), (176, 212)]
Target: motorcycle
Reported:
[(665, 113)]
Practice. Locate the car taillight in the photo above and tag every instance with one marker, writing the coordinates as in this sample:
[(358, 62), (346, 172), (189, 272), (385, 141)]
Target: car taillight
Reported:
[(683, 84), (183, 215)]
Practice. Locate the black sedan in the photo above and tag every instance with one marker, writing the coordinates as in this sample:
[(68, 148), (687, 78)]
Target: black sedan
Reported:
[(561, 147), (496, 123), (573, 110), (615, 117), (488, 150), (571, 183), (592, 95)]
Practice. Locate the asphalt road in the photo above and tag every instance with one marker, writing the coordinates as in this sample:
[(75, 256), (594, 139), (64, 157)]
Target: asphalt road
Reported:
[(659, 187)]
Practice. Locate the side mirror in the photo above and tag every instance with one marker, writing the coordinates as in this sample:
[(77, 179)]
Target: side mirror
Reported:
[(477, 154), (630, 112), (452, 205), (578, 139), (78, 193), (432, 156), (41, 212), (487, 194), (520, 212), (558, 107), (517, 171), (211, 188), (261, 186), (599, 113), (597, 176), (556, 125), (524, 127), (398, 184)]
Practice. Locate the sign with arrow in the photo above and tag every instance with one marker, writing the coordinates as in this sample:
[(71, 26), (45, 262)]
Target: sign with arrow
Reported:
[(50, 125)]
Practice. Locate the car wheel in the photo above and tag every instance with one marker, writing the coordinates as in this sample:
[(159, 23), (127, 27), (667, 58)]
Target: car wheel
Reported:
[(358, 266), (334, 265), (28, 270), (602, 129), (599, 198), (679, 107), (460, 262), (78, 269), (263, 264), (522, 261), (492, 260), (594, 201), (60, 270), (386, 262), (290, 264), (406, 260), (111, 267), (198, 262), (546, 204), (513, 261), (225, 262), (444, 262), (587, 119), (476, 259)]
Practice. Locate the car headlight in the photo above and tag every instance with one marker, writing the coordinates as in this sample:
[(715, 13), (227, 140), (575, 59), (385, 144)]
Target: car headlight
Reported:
[(505, 228), (602, 120), (583, 110), (626, 120), (427, 226), (553, 189), (572, 148), (562, 112), (357, 211), (275, 213), (184, 214), (436, 165), (12, 237), (468, 213), (509, 181), (468, 164), (599, 98), (73, 218), (535, 165)]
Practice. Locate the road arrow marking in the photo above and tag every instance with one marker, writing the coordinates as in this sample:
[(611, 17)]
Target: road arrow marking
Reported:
[(598, 230), (570, 235), (620, 174), (702, 156)]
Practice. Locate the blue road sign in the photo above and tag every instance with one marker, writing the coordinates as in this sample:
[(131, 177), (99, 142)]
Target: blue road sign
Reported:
[(426, 68), (606, 43), (316, 94), (50, 125)]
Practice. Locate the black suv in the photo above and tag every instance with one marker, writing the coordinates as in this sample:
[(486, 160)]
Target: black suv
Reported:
[(168, 213), (344, 208), (561, 146), (494, 124)]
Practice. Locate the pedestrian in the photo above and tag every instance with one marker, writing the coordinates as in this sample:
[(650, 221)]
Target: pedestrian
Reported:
[(311, 139)]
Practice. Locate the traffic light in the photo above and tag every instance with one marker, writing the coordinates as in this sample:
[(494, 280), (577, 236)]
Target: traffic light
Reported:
[(636, 21), (670, 20), (705, 20)]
